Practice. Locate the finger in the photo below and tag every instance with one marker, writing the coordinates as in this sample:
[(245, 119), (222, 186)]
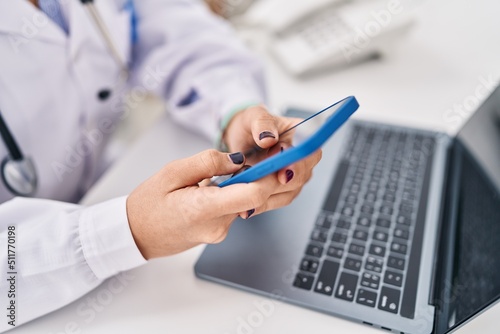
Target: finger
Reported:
[(276, 149), (204, 165), (274, 202), (205, 183), (254, 156), (285, 124), (299, 172), (264, 127), (212, 202)]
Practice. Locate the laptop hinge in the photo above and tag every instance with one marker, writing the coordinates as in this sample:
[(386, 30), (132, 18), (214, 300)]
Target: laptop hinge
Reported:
[(443, 264)]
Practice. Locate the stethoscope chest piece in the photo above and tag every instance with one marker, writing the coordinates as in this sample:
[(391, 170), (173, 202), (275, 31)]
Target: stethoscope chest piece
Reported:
[(19, 176)]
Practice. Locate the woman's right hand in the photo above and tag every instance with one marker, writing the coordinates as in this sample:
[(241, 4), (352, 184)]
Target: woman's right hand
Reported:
[(170, 212)]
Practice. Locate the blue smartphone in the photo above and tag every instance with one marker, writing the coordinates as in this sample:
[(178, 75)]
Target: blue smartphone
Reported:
[(308, 136)]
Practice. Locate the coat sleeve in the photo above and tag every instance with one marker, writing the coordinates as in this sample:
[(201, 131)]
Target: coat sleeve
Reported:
[(195, 61), (53, 253)]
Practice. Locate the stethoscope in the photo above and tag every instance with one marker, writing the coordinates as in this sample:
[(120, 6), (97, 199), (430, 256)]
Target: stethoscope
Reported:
[(18, 170)]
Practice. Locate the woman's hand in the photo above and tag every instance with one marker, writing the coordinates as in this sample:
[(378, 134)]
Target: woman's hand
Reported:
[(170, 212), (255, 128)]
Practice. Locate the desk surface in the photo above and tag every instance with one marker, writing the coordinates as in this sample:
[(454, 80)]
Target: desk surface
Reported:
[(441, 63)]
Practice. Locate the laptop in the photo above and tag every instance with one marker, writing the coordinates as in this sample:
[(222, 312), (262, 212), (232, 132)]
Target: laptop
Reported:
[(398, 229)]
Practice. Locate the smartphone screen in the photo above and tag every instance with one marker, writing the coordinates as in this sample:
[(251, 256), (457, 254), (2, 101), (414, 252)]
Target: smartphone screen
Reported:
[(309, 122)]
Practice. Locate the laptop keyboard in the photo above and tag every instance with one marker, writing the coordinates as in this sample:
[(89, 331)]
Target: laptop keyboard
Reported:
[(359, 249)]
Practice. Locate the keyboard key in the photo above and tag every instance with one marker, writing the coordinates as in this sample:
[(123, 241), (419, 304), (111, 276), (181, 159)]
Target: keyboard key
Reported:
[(324, 222), (371, 196), (406, 209), (380, 236), (327, 277), (384, 223), (389, 300), (391, 186), (339, 237), (309, 265), (394, 176), (365, 297), (361, 169), (393, 278), (389, 197), (407, 203), (303, 281), (416, 155), (374, 264), (367, 209), (411, 183), (408, 195), (373, 186), (403, 220), (370, 280), (358, 179), (335, 252), (352, 264), (360, 235), (399, 248), (319, 236), (386, 210), (377, 250), (351, 199), (346, 287), (343, 223), (401, 233), (314, 250), (364, 221), (348, 211), (356, 249), (396, 263), (413, 170)]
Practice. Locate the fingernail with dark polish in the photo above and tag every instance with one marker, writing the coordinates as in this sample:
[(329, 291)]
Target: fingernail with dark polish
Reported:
[(289, 175), (266, 134), (250, 213), (237, 158), (281, 149)]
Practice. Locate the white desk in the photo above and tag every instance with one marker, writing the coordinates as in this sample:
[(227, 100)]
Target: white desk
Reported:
[(438, 65)]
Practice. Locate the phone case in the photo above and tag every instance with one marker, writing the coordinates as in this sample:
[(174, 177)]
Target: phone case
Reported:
[(307, 147)]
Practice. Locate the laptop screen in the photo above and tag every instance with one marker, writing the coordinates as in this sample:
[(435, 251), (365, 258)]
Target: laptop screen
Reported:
[(476, 266)]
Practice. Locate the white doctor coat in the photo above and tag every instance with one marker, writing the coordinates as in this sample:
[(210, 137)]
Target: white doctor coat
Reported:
[(60, 97)]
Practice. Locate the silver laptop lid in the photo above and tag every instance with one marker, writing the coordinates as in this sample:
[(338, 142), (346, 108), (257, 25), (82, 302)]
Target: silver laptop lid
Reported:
[(470, 258)]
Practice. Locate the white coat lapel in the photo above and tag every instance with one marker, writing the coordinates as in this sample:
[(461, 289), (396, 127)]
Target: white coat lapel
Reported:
[(81, 29), (23, 22), (84, 33)]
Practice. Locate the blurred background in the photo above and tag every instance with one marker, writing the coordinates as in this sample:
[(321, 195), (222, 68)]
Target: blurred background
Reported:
[(408, 61)]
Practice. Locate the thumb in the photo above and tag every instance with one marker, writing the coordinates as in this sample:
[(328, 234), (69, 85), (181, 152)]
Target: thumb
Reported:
[(264, 128), (204, 165)]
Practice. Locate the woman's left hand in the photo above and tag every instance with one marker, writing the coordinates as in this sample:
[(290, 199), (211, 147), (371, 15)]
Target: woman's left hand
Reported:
[(256, 131)]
